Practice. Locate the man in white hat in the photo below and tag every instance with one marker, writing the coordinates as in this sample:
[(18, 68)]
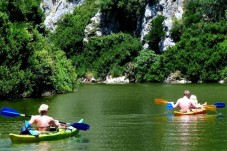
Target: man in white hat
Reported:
[(43, 121)]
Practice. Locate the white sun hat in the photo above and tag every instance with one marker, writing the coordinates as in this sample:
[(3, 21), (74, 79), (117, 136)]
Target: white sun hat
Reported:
[(193, 97), (43, 107)]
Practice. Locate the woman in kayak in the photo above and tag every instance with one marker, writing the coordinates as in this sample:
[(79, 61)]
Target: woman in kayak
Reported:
[(43, 121), (194, 100), (184, 103)]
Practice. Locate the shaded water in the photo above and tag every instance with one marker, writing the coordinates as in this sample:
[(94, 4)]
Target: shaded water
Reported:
[(125, 118)]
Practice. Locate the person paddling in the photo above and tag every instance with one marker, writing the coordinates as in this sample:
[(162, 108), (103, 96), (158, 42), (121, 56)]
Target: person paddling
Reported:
[(43, 121), (184, 103)]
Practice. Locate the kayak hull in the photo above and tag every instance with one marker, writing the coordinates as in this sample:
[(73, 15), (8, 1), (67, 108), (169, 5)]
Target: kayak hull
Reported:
[(194, 112), (44, 136)]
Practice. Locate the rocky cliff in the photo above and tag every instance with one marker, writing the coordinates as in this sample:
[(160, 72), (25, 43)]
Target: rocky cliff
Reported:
[(170, 9)]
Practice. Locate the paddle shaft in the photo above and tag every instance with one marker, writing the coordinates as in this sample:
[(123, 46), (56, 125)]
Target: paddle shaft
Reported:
[(217, 105), (24, 115), (8, 112), (161, 101)]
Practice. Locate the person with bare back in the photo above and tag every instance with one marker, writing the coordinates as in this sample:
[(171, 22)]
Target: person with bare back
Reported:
[(185, 103)]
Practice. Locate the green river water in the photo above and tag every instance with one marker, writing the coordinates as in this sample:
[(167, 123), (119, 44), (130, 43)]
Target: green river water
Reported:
[(125, 118)]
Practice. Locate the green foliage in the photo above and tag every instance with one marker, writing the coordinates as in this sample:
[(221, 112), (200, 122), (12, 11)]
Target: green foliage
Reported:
[(104, 4), (223, 48), (52, 71), (198, 54), (14, 81), (156, 33), (108, 54), (215, 10), (23, 11), (193, 13), (124, 13), (70, 31), (145, 67), (22, 48), (14, 44), (64, 76), (199, 11), (207, 10), (31, 64), (177, 30)]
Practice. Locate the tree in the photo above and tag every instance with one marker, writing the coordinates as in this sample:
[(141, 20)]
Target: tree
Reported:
[(108, 54), (198, 55), (155, 34)]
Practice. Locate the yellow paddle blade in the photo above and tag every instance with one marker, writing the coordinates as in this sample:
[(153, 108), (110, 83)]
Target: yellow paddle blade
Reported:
[(210, 107), (160, 101)]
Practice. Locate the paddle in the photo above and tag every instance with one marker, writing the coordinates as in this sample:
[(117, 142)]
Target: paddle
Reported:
[(208, 107), (8, 112), (217, 105), (214, 106), (161, 101), (169, 106)]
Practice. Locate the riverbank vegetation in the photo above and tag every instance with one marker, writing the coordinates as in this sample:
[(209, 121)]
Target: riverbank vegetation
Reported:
[(34, 60)]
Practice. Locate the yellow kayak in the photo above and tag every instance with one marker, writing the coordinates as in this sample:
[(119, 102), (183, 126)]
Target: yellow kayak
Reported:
[(44, 135), (193, 112)]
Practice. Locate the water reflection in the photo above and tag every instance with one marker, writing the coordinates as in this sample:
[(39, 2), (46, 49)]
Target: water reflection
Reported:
[(187, 130), (44, 146)]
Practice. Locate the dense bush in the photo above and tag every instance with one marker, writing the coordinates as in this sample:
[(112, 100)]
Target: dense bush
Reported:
[(70, 30), (177, 30), (208, 10), (25, 54), (52, 71), (156, 34), (146, 67), (108, 54), (31, 64), (199, 11), (14, 81), (199, 54)]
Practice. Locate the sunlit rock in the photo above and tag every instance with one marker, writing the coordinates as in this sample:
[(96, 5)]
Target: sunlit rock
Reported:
[(170, 10), (55, 9), (116, 80)]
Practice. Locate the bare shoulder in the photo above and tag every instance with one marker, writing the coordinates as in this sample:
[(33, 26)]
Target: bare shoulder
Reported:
[(51, 118), (35, 116), (180, 99)]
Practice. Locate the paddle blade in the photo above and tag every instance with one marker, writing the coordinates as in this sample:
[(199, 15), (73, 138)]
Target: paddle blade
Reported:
[(169, 106), (160, 101), (210, 107), (8, 112), (80, 126), (219, 105)]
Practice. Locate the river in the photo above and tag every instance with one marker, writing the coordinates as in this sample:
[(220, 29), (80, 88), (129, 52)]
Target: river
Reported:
[(125, 118)]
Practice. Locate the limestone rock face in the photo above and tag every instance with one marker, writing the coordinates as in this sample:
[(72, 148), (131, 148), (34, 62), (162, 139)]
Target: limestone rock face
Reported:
[(55, 9), (169, 9)]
